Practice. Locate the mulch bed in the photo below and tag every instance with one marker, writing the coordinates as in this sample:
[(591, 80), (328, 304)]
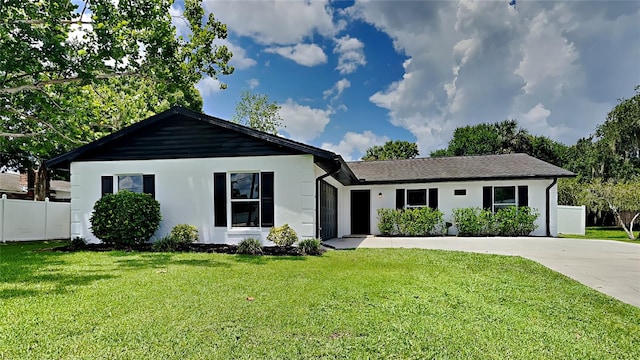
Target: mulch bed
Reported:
[(201, 248)]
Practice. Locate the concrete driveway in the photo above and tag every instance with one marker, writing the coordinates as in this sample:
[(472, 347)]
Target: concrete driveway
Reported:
[(611, 267)]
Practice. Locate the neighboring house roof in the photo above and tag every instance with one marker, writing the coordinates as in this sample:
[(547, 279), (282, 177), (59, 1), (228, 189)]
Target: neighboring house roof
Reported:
[(60, 185), (10, 183), (180, 133), (461, 168)]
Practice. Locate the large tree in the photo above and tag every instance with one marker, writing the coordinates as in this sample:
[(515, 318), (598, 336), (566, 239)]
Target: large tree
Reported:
[(619, 198), (503, 137), (50, 50), (392, 150), (257, 112)]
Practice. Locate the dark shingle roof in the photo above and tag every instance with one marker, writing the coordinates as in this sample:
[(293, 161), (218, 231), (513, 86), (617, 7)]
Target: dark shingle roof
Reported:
[(508, 166)]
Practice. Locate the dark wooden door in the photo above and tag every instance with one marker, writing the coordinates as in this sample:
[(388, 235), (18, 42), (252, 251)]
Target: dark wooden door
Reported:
[(360, 211), (328, 211)]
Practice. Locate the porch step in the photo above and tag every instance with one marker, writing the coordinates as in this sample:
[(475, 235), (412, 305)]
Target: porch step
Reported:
[(358, 236)]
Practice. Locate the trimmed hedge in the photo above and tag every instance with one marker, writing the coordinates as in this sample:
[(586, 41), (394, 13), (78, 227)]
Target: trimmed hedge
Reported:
[(125, 218), (511, 221), (422, 221)]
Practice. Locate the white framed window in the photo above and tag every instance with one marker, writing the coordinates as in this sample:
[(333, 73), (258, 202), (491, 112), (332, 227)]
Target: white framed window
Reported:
[(417, 198), (131, 182), (245, 199), (504, 197)]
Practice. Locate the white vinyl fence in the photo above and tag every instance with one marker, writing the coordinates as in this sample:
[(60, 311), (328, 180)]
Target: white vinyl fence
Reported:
[(24, 220), (571, 220)]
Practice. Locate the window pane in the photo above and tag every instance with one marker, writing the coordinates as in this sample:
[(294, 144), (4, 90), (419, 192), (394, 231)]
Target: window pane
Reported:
[(245, 186), (417, 197), (130, 182), (245, 214), (504, 195)]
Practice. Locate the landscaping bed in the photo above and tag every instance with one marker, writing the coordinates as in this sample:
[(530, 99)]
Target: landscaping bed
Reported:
[(193, 248)]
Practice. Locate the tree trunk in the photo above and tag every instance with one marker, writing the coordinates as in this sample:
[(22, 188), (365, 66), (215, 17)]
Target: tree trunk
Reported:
[(41, 187)]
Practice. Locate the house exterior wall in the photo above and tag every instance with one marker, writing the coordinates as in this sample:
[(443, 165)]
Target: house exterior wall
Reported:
[(447, 201), (184, 188)]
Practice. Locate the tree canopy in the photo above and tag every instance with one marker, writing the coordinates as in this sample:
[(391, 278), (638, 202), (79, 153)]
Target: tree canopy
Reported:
[(54, 52), (392, 150), (502, 138), (257, 112)]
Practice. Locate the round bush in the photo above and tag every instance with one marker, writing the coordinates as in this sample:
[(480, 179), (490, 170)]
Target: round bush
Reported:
[(283, 235), (184, 233), (250, 246), (125, 218), (310, 247)]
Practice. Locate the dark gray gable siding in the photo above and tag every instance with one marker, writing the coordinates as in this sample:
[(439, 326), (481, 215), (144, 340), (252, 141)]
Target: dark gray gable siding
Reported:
[(181, 137), (181, 133)]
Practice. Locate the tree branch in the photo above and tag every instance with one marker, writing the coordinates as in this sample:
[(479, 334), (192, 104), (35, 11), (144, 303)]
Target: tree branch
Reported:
[(39, 85), (14, 135)]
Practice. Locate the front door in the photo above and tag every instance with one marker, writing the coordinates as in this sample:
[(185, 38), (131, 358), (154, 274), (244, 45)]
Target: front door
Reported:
[(360, 212), (328, 211)]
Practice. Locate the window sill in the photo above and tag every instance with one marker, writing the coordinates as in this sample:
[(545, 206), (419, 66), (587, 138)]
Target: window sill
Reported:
[(244, 231)]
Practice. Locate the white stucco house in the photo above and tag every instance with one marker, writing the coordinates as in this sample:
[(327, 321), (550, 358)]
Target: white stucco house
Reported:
[(233, 182)]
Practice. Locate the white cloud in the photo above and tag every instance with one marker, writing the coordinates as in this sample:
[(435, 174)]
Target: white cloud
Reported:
[(208, 86), (350, 54), (239, 60), (302, 122), (180, 23), (536, 121), (336, 89), (557, 67), (253, 83), (276, 22), (303, 54), (353, 145)]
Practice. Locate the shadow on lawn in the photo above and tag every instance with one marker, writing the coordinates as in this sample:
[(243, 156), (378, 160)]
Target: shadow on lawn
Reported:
[(161, 260), (25, 271), (262, 260)]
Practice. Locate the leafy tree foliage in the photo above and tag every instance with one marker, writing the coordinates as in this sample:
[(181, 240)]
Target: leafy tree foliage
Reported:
[(55, 52), (615, 197), (255, 111), (392, 150), (502, 138)]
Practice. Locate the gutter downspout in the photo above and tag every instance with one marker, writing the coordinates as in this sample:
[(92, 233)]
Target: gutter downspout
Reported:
[(337, 170), (548, 211)]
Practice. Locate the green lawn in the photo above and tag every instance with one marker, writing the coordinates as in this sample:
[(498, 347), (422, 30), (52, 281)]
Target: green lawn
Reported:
[(384, 304), (604, 233)]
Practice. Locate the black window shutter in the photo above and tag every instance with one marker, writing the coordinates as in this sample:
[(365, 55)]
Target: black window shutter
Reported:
[(433, 198), (487, 198), (107, 185), (266, 181), (220, 199), (149, 185), (399, 199), (523, 195)]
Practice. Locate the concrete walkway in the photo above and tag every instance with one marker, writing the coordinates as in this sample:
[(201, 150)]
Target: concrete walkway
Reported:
[(611, 267)]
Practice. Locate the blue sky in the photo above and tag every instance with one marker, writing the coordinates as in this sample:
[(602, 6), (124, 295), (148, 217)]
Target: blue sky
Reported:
[(352, 74)]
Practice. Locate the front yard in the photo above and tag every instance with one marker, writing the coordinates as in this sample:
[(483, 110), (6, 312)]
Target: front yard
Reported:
[(394, 303)]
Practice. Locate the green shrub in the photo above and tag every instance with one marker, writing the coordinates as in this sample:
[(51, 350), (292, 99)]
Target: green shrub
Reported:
[(514, 221), (167, 243), (250, 246), (509, 221), (283, 235), (125, 218), (184, 233), (422, 221), (77, 243), (387, 221), (310, 247), (468, 221)]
